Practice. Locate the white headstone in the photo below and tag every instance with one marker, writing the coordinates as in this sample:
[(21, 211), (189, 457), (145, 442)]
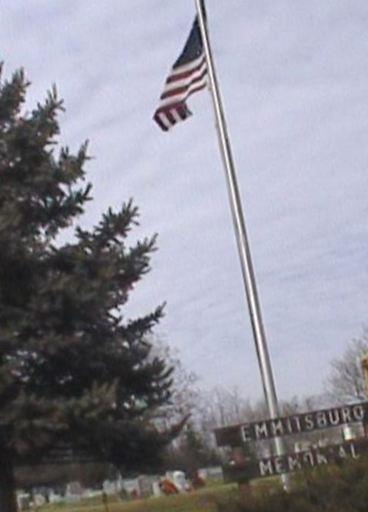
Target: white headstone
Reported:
[(180, 481)]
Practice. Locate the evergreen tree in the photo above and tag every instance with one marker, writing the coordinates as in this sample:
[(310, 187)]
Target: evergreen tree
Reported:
[(73, 371)]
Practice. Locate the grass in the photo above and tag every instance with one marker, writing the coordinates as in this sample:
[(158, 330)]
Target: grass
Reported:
[(333, 488), (203, 500)]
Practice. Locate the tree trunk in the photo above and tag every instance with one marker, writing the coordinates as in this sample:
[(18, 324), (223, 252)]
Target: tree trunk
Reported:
[(8, 501)]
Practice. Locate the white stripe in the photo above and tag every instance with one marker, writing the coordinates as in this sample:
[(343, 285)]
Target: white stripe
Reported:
[(183, 96), (187, 67), (165, 121), (186, 81), (175, 115)]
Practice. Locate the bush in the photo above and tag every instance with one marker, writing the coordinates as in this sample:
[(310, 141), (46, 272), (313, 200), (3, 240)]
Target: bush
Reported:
[(339, 488)]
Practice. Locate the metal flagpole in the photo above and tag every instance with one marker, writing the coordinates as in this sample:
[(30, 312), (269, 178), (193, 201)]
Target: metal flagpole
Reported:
[(241, 233)]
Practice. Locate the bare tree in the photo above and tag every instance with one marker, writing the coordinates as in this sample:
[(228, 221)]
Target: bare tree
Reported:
[(345, 382), (184, 392)]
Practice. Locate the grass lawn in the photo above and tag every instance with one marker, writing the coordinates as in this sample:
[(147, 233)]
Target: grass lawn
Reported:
[(199, 501)]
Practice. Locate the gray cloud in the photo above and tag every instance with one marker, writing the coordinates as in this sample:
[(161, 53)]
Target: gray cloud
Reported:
[(294, 81)]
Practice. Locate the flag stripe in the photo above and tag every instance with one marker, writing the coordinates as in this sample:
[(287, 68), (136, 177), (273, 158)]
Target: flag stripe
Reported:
[(185, 81), (185, 74), (175, 115), (187, 68), (168, 118), (188, 75), (181, 87), (198, 88), (161, 120), (183, 95), (183, 112)]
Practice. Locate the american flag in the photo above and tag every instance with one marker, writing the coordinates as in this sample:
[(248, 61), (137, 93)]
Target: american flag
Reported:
[(188, 75)]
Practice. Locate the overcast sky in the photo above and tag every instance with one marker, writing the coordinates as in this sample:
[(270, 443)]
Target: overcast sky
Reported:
[(295, 86)]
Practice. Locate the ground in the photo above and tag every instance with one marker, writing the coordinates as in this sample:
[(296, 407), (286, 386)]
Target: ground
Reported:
[(200, 501)]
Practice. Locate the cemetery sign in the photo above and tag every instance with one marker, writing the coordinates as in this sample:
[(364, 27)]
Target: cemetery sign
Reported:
[(243, 433), (278, 465), (244, 466)]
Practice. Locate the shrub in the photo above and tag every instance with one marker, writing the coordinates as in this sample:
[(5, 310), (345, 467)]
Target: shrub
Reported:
[(334, 488)]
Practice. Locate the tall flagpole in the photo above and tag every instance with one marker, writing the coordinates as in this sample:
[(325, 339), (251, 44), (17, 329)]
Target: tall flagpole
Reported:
[(264, 361)]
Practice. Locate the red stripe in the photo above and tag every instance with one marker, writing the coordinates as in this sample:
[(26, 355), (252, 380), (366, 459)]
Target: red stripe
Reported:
[(196, 89), (170, 117), (183, 111), (185, 74), (181, 90), (159, 122), (176, 105)]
